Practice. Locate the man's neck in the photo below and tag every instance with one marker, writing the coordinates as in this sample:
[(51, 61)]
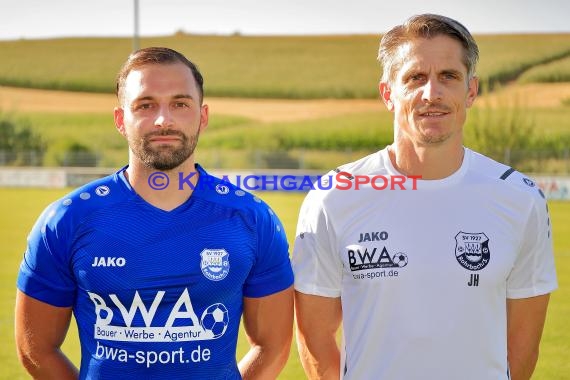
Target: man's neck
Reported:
[(163, 189), (430, 162)]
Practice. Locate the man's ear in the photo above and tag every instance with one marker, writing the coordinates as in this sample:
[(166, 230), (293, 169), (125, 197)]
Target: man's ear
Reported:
[(386, 95), (472, 91), (204, 117), (119, 117)]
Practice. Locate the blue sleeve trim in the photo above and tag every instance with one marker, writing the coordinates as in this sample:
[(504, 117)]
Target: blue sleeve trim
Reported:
[(280, 278), (44, 291), (507, 173)]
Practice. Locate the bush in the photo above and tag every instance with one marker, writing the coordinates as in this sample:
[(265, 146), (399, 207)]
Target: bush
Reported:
[(497, 132), (77, 154), (279, 160), (19, 145)]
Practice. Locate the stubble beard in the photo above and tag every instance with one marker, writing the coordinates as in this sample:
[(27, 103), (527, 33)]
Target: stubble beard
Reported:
[(164, 157), (429, 139), (430, 135)]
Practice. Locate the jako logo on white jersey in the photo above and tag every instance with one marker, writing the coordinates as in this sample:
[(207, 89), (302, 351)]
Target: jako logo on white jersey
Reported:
[(108, 261)]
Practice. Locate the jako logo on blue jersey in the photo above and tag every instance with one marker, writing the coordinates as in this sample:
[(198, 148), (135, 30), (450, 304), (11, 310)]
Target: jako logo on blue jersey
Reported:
[(108, 261)]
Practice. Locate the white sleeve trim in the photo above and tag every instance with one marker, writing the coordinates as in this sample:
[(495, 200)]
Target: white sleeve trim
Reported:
[(532, 292), (317, 291)]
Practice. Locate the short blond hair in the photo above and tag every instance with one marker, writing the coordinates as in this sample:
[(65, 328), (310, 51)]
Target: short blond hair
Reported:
[(425, 26)]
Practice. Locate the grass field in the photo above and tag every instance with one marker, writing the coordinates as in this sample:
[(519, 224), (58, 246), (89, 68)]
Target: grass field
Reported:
[(20, 207), (261, 67), (557, 71)]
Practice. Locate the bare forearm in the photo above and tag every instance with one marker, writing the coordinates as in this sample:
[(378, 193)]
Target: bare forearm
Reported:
[(525, 322), (49, 366), (521, 367), (260, 363), (320, 361), (318, 320)]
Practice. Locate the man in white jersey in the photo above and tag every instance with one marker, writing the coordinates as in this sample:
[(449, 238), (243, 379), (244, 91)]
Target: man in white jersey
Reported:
[(158, 277), (437, 260)]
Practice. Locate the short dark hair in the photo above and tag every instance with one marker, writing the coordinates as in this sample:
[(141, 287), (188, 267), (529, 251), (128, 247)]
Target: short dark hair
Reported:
[(425, 26), (156, 55)]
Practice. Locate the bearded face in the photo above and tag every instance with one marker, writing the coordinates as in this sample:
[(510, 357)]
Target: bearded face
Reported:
[(163, 156)]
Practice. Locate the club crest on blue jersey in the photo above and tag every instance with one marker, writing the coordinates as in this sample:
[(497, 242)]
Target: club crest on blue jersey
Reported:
[(472, 250), (215, 264)]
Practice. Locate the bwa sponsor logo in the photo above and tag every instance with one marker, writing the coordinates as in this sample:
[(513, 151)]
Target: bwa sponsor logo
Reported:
[(115, 318), (361, 258)]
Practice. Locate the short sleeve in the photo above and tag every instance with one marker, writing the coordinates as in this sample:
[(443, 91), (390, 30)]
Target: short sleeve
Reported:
[(534, 272), (45, 273), (272, 271), (317, 267)]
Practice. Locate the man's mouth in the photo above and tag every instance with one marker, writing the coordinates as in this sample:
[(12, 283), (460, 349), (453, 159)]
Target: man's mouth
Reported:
[(433, 113)]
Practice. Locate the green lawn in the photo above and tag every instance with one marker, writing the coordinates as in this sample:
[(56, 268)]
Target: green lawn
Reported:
[(20, 207)]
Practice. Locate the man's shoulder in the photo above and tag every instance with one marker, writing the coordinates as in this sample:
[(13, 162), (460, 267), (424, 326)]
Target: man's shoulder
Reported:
[(226, 194), (64, 216), (82, 201), (330, 191), (373, 164), (504, 175)]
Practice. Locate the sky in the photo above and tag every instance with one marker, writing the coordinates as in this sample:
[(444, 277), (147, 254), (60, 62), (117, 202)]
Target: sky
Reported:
[(32, 19)]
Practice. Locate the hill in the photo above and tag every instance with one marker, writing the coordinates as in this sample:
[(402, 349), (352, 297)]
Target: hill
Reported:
[(308, 102), (257, 67)]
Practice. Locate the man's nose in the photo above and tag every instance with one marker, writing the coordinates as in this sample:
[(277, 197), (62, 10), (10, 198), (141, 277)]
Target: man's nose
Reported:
[(432, 91), (163, 118)]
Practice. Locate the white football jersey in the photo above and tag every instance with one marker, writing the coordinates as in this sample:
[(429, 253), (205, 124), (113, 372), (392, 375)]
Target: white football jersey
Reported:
[(424, 268)]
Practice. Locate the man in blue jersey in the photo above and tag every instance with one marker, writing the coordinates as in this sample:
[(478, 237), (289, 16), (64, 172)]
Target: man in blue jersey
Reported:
[(157, 279)]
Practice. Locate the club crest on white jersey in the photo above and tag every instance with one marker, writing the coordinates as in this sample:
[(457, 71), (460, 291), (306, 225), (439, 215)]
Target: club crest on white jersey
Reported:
[(472, 250)]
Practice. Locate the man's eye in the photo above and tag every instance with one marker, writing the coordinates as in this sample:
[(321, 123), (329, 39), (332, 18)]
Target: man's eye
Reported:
[(181, 105), (416, 78), (143, 106)]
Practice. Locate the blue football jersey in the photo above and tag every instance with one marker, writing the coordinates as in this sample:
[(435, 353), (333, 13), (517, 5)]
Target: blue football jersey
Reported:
[(156, 294)]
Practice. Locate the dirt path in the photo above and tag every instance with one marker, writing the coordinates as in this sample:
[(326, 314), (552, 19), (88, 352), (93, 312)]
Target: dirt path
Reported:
[(267, 110), (27, 100), (542, 95), (30, 100)]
